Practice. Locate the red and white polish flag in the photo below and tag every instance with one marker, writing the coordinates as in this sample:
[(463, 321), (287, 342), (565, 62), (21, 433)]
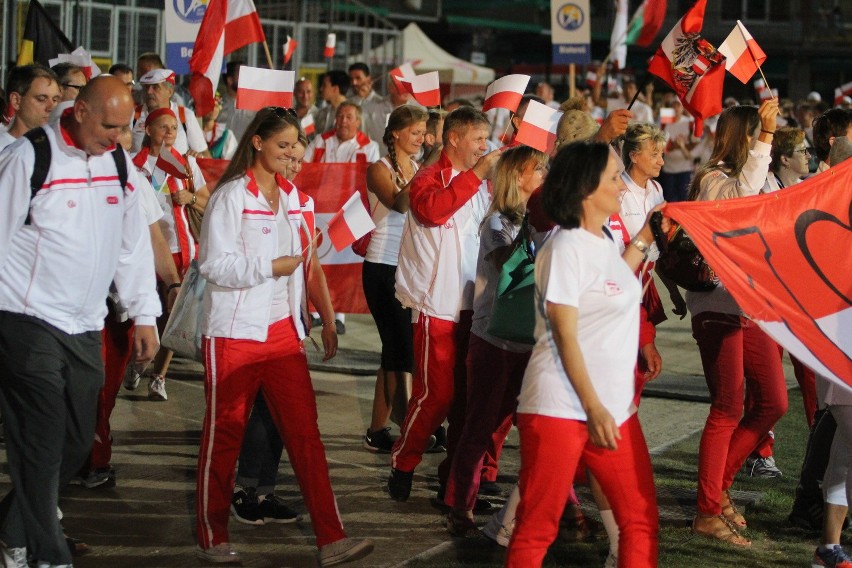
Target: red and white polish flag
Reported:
[(506, 92), (259, 88), (171, 162), (667, 115), (538, 129), (289, 49), (308, 124), (350, 223), (404, 71), (426, 88), (591, 78), (743, 55), (762, 92), (82, 59), (227, 26), (330, 43), (844, 90)]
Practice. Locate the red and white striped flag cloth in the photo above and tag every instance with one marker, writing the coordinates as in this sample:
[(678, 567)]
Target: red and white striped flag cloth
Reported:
[(227, 26), (289, 49), (667, 115), (538, 129), (844, 90), (259, 88), (350, 223), (591, 78), (743, 55), (426, 88), (330, 42), (762, 92), (506, 92), (308, 124), (404, 71), (82, 59), (171, 162)]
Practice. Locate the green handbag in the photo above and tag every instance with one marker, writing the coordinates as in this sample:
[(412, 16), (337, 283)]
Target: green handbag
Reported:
[(513, 312)]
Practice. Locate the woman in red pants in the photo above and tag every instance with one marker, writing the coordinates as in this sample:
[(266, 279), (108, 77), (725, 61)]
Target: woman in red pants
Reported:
[(576, 400), (253, 241), (735, 352)]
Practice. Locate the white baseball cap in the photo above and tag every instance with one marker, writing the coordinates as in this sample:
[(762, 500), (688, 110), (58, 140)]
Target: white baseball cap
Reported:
[(155, 76)]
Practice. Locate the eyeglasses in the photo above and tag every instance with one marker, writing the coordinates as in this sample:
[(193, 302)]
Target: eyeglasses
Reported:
[(72, 86), (282, 112), (805, 151)]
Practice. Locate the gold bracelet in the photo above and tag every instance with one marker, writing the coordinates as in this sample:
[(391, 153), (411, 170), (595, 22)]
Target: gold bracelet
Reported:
[(641, 246)]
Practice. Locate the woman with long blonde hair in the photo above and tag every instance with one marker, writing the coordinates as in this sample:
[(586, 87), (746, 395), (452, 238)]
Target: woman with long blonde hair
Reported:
[(495, 366)]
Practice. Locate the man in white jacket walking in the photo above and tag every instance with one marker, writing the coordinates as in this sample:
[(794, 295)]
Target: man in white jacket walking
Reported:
[(60, 247)]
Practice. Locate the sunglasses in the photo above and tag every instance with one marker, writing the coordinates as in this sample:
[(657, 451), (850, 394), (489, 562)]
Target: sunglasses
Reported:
[(281, 112)]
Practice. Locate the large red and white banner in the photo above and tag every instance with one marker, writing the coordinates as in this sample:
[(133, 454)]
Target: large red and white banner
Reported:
[(785, 258)]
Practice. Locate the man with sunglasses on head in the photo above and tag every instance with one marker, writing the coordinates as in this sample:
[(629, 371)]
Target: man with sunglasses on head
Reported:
[(32, 92), (71, 79)]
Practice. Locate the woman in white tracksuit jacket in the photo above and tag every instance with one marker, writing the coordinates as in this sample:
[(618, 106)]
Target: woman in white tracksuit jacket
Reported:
[(253, 240)]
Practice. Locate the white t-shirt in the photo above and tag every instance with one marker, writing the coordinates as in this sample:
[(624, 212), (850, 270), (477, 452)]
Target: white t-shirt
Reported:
[(384, 244), (280, 296), (151, 210), (5, 137), (577, 268), (676, 161), (636, 203)]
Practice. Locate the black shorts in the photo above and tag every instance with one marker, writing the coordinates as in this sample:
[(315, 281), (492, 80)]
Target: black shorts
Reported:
[(392, 320)]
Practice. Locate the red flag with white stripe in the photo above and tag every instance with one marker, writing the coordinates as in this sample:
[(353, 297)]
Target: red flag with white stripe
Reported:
[(691, 66), (259, 88), (743, 55), (844, 90), (777, 254), (404, 71), (227, 26), (506, 92), (426, 88), (330, 43), (308, 124), (289, 49), (667, 115), (171, 162), (349, 224), (538, 128)]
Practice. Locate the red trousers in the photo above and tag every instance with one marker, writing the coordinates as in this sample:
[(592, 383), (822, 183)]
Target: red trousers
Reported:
[(116, 349), (735, 354), (494, 379), (551, 448), (438, 387), (234, 370)]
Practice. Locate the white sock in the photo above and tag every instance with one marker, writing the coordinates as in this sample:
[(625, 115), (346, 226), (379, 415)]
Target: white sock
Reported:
[(611, 529)]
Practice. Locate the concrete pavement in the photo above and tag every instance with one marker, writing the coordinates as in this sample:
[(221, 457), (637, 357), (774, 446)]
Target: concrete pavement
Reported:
[(148, 519)]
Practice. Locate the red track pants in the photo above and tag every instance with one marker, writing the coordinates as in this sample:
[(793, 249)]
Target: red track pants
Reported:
[(234, 370), (551, 448)]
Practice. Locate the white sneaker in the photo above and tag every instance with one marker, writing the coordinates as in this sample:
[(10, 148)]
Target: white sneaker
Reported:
[(13, 557), (344, 550), (131, 377), (611, 560), (222, 553), (496, 531), (157, 388)]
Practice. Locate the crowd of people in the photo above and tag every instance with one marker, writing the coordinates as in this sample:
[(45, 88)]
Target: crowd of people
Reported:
[(456, 200)]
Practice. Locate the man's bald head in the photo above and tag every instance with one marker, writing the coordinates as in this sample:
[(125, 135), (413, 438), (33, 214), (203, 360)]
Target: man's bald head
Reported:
[(102, 108)]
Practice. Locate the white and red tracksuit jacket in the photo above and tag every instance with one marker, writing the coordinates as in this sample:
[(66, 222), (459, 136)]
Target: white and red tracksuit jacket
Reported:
[(239, 240), (440, 241), (85, 232), (328, 148)]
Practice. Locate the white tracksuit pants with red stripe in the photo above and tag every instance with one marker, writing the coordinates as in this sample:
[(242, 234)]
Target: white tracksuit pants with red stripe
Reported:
[(234, 371)]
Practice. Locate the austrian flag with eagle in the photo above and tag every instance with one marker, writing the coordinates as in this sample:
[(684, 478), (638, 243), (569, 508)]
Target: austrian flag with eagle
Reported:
[(692, 67)]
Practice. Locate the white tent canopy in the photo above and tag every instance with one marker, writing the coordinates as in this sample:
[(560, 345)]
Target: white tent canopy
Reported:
[(426, 56)]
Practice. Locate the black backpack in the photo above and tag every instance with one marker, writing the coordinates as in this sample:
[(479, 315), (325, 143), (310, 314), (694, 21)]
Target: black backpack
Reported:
[(41, 145)]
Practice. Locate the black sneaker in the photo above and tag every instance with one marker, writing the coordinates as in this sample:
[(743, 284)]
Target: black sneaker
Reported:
[(244, 506), (340, 327), (399, 484), (379, 441), (440, 444), (273, 510)]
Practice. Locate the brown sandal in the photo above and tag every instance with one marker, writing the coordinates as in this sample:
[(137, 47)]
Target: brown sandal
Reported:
[(719, 528), (730, 511)]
